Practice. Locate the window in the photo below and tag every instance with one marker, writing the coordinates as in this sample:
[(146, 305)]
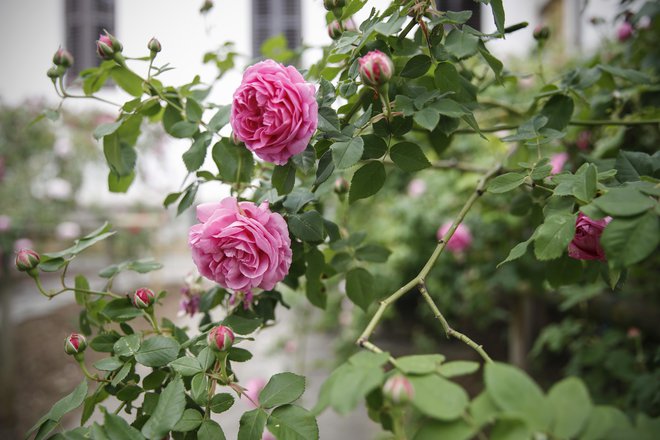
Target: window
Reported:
[(274, 17), (463, 5), (85, 20)]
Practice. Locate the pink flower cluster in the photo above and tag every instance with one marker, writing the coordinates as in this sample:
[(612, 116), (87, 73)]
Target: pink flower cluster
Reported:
[(274, 111), (240, 245)]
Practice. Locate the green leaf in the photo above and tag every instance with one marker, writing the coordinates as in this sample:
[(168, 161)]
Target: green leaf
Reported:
[(121, 374), (281, 389), (627, 241), (372, 252), (168, 411), (359, 287), (409, 157), (416, 66), (108, 364), (450, 108), (198, 389), (104, 342), (420, 363), (235, 163), (506, 182), (494, 63), (624, 202), (436, 429), (585, 186), (307, 226), (119, 184), (63, 406), (194, 111), (483, 409), (447, 79), (367, 181), (188, 198), (118, 429), (498, 15), (121, 156), (514, 392), (558, 110), (241, 325), (189, 421), (438, 398), (552, 238), (291, 422), (347, 386), (375, 147), (315, 262), (510, 428), (518, 251), (427, 118), (458, 368), (347, 154), (252, 424), (127, 80), (284, 177), (602, 420), (629, 74), (194, 157), (632, 165), (106, 129), (183, 129), (221, 402), (157, 351), (461, 44), (572, 406), (186, 366), (210, 430), (220, 119), (328, 120)]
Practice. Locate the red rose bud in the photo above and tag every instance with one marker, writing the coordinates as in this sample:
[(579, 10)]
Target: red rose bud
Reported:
[(63, 58), (341, 186), (104, 47), (624, 32), (376, 69), (220, 338), (27, 260), (331, 5), (154, 45), (398, 389), (143, 298), (541, 33), (75, 344)]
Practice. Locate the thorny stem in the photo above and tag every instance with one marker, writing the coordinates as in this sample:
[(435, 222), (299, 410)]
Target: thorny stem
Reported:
[(419, 283)]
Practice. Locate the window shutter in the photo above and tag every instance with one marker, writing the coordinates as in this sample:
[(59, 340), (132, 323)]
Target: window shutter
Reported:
[(463, 5), (274, 17)]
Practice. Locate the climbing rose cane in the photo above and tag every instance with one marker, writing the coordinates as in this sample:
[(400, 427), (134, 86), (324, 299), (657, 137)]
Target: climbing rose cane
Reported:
[(460, 241), (586, 243), (375, 69), (240, 245), (274, 111)]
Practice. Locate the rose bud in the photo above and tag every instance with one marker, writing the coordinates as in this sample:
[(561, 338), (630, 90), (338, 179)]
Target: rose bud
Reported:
[(63, 58), (398, 389), (55, 72), (220, 338), (624, 32), (27, 260), (335, 30), (104, 47), (143, 298), (541, 33), (341, 186), (154, 46), (75, 344), (331, 5), (375, 69), (586, 243)]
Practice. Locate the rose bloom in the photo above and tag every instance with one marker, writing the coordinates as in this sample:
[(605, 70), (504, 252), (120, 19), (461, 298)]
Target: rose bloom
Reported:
[(558, 161), (416, 188), (460, 241), (586, 243), (252, 389), (274, 111), (240, 245)]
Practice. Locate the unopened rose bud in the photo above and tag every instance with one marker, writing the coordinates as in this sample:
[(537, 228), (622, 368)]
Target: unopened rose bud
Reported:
[(332, 5), (104, 47), (624, 32), (27, 260), (220, 338), (341, 186), (375, 69), (541, 33), (335, 30), (75, 344), (398, 389), (143, 298), (55, 72), (63, 58), (154, 45)]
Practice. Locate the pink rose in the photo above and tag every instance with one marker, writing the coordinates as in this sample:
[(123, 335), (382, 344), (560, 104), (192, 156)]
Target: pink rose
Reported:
[(558, 161), (376, 68), (460, 241), (274, 111), (586, 243), (240, 245), (252, 389), (416, 188), (624, 32)]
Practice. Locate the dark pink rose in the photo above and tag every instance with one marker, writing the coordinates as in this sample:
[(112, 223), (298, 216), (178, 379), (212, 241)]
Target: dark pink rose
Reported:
[(460, 241), (240, 245), (624, 32), (558, 161), (586, 243), (583, 141), (274, 111)]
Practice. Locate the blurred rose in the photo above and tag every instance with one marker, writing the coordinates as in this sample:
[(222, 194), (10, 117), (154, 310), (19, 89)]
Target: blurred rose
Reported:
[(67, 230), (583, 141), (252, 389), (644, 22), (558, 161), (460, 241), (633, 333), (624, 32), (58, 189), (416, 188), (5, 223), (586, 243), (62, 147)]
